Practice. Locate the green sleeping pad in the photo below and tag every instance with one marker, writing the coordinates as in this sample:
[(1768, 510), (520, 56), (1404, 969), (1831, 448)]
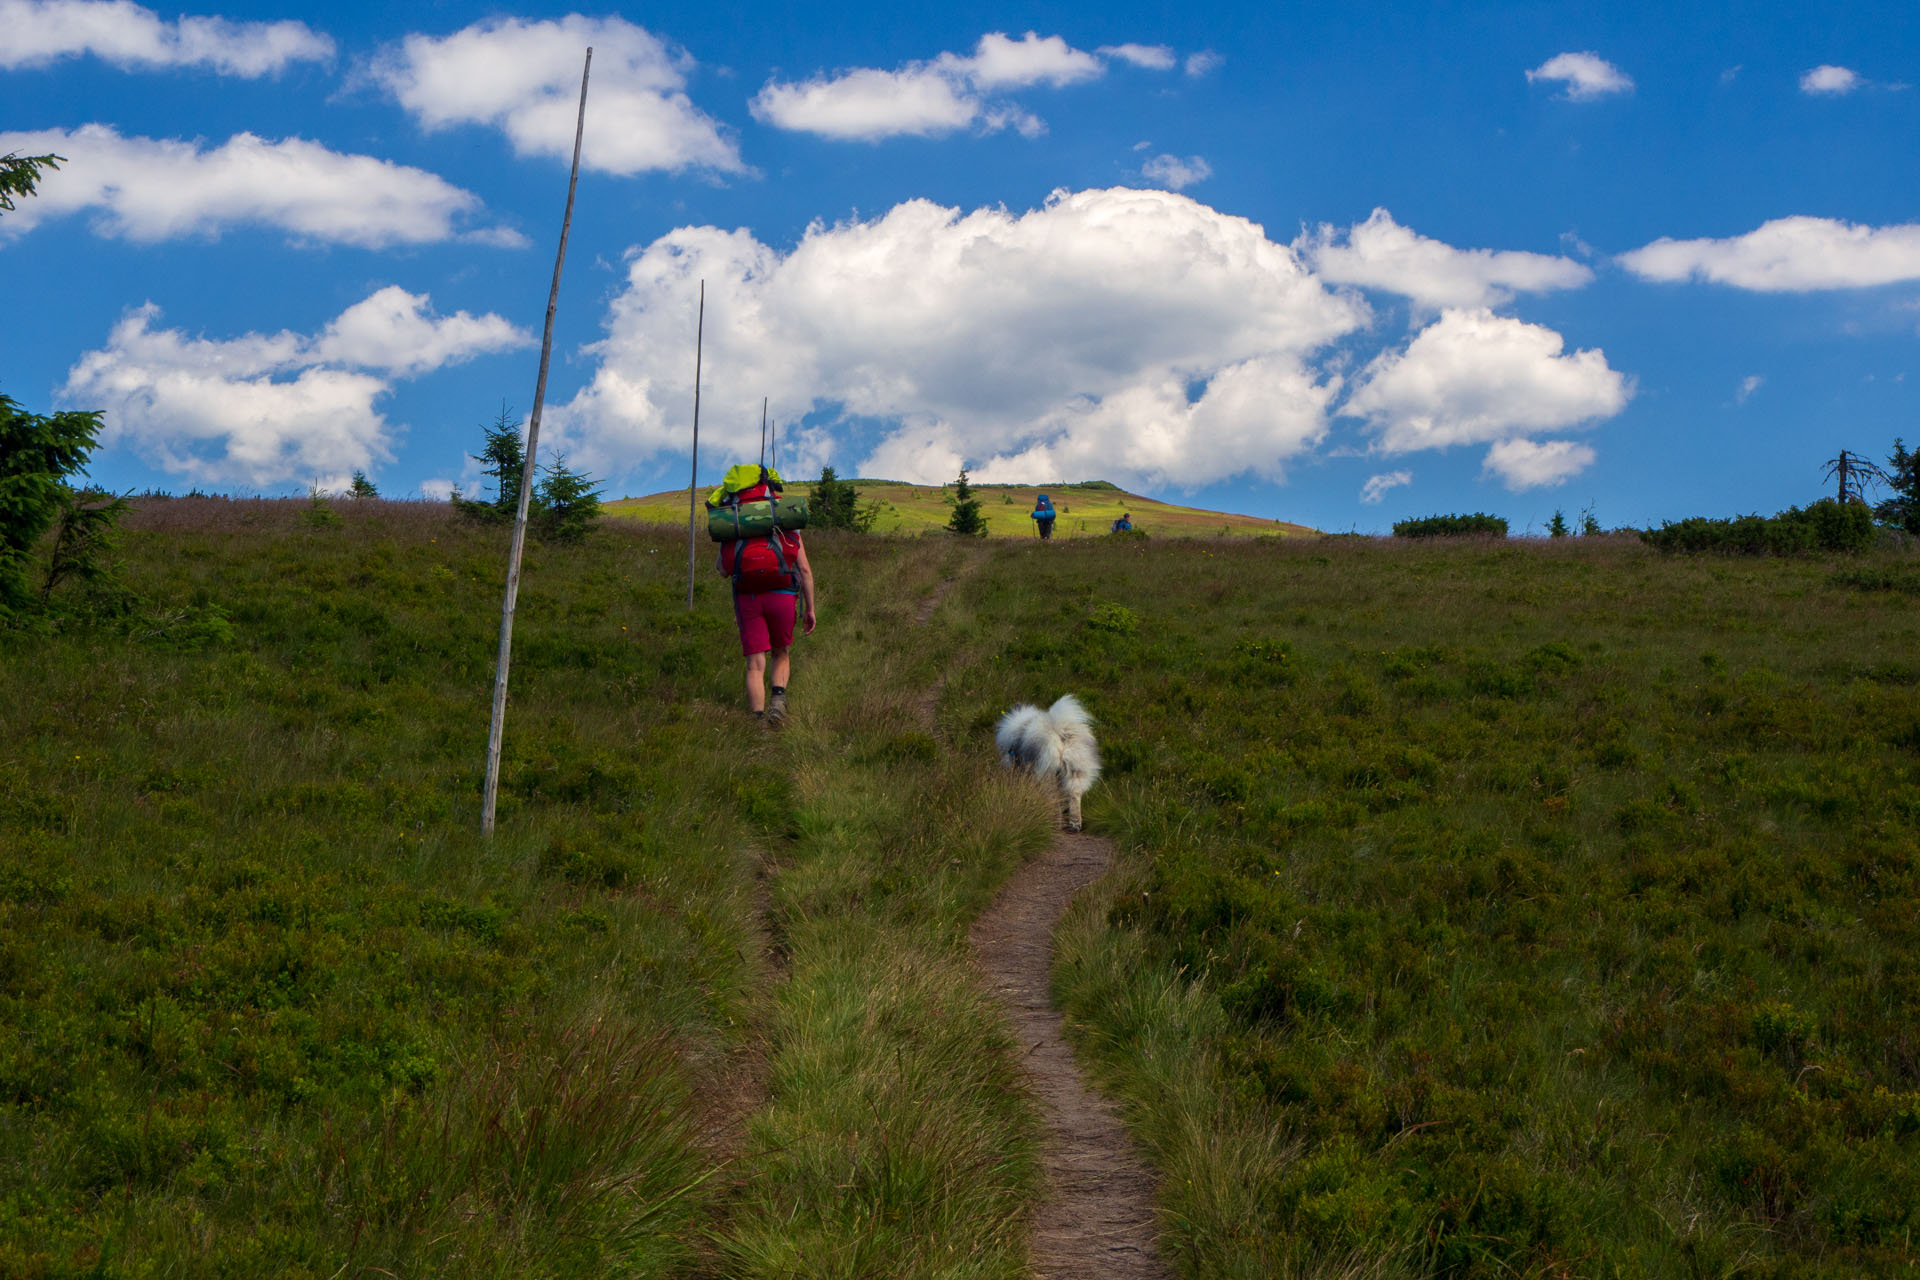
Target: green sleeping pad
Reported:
[(755, 519)]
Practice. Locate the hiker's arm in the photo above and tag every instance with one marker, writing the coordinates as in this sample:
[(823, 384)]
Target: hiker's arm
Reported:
[(806, 588)]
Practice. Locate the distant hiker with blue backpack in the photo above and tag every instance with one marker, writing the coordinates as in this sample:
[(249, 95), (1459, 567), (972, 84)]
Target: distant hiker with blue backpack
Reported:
[(758, 530), (1043, 515)]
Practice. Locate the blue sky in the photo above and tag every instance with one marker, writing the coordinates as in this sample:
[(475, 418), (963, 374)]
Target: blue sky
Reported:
[(1333, 264)]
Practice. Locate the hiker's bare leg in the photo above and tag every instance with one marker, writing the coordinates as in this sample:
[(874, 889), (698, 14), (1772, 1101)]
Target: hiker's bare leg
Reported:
[(756, 681), (782, 664)]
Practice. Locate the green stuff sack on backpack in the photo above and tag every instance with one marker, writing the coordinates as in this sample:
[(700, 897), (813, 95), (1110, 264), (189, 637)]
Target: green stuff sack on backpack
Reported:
[(749, 504)]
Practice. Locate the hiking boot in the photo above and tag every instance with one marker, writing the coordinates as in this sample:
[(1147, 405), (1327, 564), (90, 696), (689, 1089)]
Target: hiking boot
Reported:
[(777, 707)]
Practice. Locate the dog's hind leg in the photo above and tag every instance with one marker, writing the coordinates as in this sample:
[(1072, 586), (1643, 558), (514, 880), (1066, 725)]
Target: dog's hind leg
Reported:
[(1073, 809)]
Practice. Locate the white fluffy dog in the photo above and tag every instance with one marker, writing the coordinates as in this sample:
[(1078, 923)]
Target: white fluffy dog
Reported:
[(1055, 745)]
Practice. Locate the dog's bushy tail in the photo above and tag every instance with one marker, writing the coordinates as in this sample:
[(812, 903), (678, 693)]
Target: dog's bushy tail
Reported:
[(1079, 759)]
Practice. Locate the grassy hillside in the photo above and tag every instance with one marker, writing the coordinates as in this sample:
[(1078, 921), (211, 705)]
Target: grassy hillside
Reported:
[(1487, 910), (1086, 510), (1535, 910), (270, 1007)]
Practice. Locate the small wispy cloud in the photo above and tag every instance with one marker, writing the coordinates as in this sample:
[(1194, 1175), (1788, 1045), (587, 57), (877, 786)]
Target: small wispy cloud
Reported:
[(1377, 486), (1174, 173), (1748, 385), (1154, 57), (1587, 76), (1830, 81), (1199, 64)]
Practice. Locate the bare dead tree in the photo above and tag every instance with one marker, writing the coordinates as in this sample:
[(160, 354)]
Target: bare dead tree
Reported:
[(1851, 475)]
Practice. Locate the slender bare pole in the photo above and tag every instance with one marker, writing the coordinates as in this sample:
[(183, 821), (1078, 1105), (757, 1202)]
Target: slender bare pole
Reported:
[(526, 484), (693, 484), (763, 431)]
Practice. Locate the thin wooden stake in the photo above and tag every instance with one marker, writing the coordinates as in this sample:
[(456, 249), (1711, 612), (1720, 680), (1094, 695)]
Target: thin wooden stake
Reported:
[(526, 483), (763, 431), (693, 482)]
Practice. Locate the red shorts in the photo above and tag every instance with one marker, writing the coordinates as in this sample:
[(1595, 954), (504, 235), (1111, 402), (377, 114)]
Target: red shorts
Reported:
[(766, 620)]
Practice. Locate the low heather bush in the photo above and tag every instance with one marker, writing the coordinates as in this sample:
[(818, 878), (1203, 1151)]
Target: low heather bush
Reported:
[(1479, 524)]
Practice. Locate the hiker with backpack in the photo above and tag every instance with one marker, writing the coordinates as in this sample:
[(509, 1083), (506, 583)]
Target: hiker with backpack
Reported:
[(760, 550), (1043, 516)]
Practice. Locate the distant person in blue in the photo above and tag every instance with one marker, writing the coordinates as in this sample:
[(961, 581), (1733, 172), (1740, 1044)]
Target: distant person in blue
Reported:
[(1124, 524), (1043, 515)]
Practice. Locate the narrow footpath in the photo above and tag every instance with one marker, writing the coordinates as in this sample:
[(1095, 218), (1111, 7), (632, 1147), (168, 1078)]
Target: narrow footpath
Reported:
[(1096, 1218)]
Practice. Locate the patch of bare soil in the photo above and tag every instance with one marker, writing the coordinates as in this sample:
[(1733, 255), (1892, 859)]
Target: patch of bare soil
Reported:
[(1097, 1217)]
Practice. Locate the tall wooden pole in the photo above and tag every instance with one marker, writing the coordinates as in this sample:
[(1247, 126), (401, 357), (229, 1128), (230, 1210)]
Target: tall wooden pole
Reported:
[(693, 484), (526, 483)]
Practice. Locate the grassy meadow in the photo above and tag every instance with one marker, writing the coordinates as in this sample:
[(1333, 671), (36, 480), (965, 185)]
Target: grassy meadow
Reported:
[(1087, 510), (1494, 910), (1539, 909)]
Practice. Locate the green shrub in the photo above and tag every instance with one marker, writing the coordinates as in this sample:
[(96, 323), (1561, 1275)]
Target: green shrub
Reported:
[(1479, 524), (1826, 525)]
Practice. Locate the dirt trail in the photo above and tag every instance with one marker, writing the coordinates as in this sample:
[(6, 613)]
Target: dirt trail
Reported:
[(1097, 1220)]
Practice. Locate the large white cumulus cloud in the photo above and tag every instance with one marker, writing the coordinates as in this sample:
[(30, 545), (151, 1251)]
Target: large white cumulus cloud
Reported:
[(1135, 335), (1473, 377), (265, 409)]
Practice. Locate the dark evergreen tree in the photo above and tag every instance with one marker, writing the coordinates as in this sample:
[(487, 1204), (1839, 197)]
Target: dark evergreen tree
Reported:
[(1557, 527), (505, 456), (835, 505), (37, 456), (1902, 475), (84, 537), (361, 487), (564, 505), (966, 519), (19, 174)]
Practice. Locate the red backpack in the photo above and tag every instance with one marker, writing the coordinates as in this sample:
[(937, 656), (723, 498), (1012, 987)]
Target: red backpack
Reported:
[(771, 563)]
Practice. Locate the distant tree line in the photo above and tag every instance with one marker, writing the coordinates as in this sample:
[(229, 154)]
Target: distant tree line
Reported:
[(1844, 522)]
